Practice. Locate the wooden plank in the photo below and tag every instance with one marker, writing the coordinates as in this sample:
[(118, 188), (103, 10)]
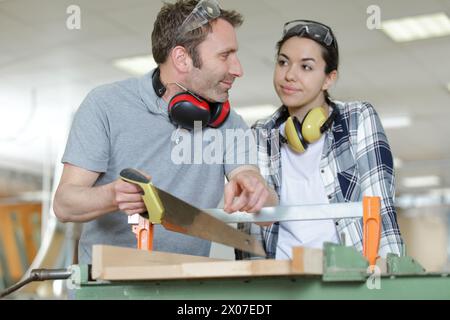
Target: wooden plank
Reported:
[(200, 270), (103, 255), (112, 263), (306, 260)]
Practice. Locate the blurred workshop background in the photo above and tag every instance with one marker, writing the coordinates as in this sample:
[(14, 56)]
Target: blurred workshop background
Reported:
[(395, 54)]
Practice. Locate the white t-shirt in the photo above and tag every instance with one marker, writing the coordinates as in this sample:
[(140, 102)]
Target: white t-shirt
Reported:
[(301, 185)]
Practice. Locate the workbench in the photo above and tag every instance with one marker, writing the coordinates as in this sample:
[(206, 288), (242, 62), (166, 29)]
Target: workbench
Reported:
[(336, 272)]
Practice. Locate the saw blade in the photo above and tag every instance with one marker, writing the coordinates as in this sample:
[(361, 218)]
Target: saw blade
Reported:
[(182, 217)]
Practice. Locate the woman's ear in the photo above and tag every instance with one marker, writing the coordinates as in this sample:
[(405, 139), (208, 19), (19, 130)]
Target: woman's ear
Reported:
[(330, 80), (181, 59)]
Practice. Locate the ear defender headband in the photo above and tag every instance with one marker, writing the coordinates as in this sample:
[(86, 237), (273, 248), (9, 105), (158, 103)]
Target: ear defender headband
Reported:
[(300, 134), (186, 107)]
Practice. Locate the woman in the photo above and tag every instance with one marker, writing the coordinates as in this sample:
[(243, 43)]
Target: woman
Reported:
[(315, 150)]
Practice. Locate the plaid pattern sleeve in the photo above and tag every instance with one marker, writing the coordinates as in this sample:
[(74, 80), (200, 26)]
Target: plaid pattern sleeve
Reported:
[(376, 173)]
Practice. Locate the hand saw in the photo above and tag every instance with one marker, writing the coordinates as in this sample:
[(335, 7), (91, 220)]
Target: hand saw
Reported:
[(179, 216)]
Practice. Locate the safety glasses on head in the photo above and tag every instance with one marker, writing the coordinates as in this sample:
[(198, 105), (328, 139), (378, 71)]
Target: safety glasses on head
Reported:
[(204, 11), (315, 30)]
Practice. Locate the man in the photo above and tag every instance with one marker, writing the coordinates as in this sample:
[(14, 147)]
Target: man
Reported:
[(127, 124)]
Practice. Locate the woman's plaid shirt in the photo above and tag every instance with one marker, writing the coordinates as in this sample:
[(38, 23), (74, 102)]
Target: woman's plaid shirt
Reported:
[(356, 161)]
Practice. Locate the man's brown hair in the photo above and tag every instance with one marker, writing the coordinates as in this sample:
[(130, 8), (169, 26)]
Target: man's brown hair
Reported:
[(165, 35)]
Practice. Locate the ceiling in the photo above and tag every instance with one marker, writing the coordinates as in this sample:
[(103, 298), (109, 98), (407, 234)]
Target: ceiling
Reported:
[(47, 69)]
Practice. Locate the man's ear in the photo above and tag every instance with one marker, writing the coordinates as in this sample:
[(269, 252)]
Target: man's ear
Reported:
[(330, 80), (181, 59)]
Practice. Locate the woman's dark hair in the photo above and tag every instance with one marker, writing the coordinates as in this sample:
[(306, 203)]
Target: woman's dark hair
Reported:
[(330, 53)]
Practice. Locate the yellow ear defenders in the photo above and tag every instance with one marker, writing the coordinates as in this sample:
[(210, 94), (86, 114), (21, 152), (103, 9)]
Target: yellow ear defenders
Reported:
[(300, 134)]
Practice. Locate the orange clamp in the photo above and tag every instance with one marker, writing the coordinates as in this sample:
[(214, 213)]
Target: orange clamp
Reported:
[(144, 234), (372, 228)]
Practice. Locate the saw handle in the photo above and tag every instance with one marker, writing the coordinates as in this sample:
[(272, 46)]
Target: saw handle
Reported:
[(133, 176), (144, 228), (150, 197)]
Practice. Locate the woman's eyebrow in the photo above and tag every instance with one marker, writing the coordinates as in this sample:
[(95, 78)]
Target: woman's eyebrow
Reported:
[(303, 59)]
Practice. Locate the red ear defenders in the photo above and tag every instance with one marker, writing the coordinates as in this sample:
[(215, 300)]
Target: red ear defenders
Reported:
[(185, 107), (300, 134)]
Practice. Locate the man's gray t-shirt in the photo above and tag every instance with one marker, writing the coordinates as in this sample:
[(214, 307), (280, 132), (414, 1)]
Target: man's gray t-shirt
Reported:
[(125, 125)]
